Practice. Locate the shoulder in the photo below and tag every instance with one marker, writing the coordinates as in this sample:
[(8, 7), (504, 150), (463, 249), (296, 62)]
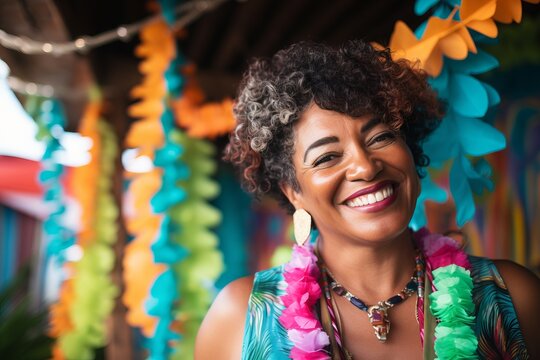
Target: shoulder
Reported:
[(524, 288), (523, 285), (221, 332)]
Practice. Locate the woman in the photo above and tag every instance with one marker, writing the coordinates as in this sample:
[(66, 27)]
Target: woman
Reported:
[(335, 136)]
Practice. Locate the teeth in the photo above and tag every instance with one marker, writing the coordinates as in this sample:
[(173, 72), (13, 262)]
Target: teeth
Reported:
[(372, 198)]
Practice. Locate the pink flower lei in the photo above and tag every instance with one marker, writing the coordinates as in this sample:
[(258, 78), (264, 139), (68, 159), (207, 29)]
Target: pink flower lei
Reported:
[(303, 291), (448, 268)]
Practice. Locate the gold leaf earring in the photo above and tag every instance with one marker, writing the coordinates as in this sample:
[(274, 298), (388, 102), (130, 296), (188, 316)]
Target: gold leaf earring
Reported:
[(302, 226)]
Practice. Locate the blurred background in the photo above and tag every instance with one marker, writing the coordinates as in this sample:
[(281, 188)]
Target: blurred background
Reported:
[(119, 222)]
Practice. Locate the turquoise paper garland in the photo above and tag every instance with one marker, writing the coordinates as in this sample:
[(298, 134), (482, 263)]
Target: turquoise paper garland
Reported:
[(50, 119), (462, 134), (164, 292)]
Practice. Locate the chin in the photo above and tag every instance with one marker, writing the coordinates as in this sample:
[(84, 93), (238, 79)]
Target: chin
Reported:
[(376, 228), (381, 232)]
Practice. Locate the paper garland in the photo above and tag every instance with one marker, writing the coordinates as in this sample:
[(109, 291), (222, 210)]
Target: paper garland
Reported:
[(141, 269), (198, 271), (87, 297), (451, 34), (199, 119), (449, 37), (50, 119), (174, 249)]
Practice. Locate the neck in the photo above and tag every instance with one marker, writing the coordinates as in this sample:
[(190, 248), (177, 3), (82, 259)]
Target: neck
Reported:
[(371, 271)]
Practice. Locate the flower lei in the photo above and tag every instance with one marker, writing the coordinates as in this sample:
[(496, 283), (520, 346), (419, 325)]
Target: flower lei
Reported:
[(303, 291), (448, 269)]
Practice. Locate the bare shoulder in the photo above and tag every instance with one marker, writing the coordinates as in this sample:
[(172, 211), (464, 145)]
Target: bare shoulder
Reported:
[(519, 280), (524, 288), (221, 332)]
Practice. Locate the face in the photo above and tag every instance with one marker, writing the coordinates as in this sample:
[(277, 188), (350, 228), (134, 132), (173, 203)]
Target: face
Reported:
[(357, 177)]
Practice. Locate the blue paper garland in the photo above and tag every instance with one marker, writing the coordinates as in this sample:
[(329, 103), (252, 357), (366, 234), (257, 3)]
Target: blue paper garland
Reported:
[(50, 119), (462, 134), (164, 292)]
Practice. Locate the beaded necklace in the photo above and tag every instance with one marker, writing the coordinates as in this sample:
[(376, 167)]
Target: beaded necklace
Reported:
[(378, 313)]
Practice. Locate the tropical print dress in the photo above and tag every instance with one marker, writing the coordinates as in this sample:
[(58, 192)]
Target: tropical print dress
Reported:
[(497, 327)]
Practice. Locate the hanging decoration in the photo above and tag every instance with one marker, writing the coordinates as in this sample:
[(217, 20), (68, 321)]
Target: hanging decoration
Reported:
[(198, 271), (164, 293), (150, 199), (50, 120), (170, 244), (87, 297), (199, 119), (446, 48)]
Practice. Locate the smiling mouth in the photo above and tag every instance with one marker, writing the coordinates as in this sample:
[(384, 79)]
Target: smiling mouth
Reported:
[(371, 198)]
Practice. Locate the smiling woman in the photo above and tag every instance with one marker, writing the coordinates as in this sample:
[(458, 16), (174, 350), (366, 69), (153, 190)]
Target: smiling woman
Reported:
[(336, 136)]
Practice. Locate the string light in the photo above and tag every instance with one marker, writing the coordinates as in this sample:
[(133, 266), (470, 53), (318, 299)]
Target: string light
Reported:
[(31, 88), (186, 13)]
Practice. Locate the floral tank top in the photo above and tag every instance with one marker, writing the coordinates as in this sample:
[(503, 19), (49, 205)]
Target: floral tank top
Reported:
[(497, 327)]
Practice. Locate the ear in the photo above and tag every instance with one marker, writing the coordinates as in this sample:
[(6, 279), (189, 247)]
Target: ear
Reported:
[(295, 197)]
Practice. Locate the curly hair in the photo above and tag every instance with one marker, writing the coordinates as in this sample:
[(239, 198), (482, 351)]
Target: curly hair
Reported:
[(355, 79)]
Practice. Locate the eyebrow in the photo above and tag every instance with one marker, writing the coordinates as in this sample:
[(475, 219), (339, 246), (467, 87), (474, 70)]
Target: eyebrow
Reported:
[(370, 125), (320, 142), (333, 139)]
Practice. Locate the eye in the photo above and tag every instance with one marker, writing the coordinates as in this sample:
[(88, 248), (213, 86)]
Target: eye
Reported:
[(383, 138), (325, 158)]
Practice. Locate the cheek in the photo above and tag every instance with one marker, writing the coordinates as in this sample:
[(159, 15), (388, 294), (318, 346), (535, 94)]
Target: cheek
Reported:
[(405, 161), (413, 175), (325, 179), (321, 186)]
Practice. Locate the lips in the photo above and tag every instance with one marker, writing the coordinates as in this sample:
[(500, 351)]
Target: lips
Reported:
[(371, 195)]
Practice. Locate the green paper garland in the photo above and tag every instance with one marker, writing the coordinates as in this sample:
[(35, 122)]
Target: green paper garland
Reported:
[(199, 270), (94, 291)]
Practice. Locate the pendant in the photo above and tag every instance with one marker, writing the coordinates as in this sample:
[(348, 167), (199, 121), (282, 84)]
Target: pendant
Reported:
[(378, 317)]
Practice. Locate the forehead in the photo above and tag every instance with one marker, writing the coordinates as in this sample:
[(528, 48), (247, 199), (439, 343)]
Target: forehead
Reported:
[(316, 122), (315, 117)]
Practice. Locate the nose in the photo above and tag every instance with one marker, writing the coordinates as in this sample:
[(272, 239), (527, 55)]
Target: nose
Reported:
[(363, 166)]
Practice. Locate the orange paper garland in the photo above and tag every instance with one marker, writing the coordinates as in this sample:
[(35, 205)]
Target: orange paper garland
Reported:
[(451, 38), (202, 120), (140, 271)]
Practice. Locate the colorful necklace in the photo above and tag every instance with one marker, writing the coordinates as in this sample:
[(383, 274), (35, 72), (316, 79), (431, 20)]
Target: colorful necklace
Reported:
[(378, 314), (447, 268)]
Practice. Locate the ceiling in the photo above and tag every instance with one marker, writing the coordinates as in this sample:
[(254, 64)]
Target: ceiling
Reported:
[(220, 42)]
